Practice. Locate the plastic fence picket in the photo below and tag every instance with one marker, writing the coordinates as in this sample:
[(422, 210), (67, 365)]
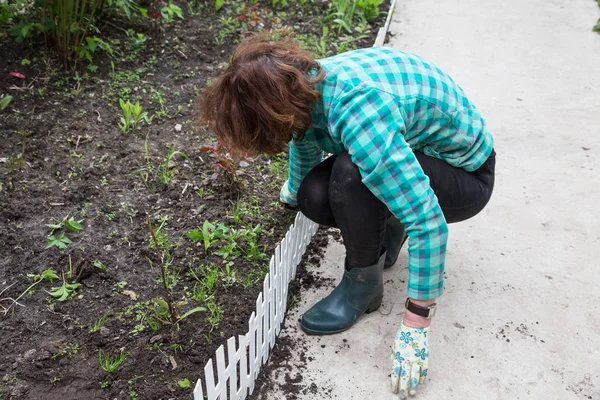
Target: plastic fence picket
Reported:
[(236, 376)]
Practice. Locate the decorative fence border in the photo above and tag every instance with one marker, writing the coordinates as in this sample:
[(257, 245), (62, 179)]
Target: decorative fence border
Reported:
[(237, 373), (245, 359)]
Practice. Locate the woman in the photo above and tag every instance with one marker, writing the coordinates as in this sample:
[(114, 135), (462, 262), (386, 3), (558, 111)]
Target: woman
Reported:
[(410, 154)]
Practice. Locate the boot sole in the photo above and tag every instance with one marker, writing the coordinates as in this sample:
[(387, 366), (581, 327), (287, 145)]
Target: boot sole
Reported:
[(372, 308)]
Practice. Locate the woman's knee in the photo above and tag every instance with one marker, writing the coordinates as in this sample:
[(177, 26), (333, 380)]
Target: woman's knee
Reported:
[(312, 195), (345, 177)]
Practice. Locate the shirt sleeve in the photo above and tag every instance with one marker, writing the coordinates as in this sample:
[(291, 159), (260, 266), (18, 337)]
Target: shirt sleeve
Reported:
[(370, 124), (304, 155)]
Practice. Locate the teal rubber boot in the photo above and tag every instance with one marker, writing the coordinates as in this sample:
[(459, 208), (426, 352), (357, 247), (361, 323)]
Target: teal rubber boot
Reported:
[(393, 240), (359, 292)]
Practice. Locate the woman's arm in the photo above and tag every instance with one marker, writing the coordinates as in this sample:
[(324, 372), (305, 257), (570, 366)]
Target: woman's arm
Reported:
[(370, 124), (304, 155)]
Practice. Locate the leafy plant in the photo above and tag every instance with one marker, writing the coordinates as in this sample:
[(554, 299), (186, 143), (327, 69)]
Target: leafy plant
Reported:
[(46, 275), (5, 101), (343, 14), (127, 7), (369, 8), (132, 115), (226, 163), (109, 363), (60, 242), (69, 23), (170, 11), (64, 292), (209, 234)]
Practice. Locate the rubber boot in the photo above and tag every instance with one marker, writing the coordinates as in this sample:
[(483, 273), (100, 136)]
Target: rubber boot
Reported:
[(359, 292), (393, 240)]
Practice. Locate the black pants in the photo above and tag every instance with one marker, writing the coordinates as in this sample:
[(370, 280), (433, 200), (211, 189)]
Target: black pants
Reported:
[(333, 194)]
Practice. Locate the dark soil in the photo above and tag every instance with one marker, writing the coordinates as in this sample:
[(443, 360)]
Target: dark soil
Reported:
[(77, 163)]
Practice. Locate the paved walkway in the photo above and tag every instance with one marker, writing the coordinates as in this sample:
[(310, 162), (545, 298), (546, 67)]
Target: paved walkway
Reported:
[(521, 314)]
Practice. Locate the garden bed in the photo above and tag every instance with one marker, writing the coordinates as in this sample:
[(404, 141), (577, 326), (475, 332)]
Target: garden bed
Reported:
[(66, 162)]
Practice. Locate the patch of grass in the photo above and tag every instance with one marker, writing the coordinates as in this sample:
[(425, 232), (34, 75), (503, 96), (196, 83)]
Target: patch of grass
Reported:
[(110, 363)]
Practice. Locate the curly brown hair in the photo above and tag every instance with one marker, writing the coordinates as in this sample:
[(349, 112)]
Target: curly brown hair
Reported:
[(263, 99)]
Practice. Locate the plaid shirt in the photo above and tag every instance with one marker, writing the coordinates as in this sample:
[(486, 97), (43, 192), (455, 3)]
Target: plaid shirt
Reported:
[(381, 104)]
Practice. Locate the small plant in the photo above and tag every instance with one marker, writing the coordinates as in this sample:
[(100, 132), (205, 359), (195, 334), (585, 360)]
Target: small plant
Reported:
[(64, 292), (132, 115), (110, 364), (343, 14), (62, 241), (226, 163), (170, 11), (209, 234), (166, 169), (69, 350), (96, 325), (5, 101), (47, 275), (369, 8)]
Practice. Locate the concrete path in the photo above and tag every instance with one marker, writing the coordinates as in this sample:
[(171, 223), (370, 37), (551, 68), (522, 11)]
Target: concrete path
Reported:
[(521, 313)]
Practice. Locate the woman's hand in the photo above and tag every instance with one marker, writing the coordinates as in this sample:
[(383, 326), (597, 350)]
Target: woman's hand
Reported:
[(286, 197), (410, 352), (410, 356)]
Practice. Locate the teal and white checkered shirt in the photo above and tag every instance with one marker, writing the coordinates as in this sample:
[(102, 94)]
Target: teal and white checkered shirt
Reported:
[(382, 104)]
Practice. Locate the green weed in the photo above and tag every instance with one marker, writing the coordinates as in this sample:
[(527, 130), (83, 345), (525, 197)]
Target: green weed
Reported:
[(109, 363), (69, 350), (369, 8), (209, 234), (132, 116), (99, 323), (166, 168), (65, 291)]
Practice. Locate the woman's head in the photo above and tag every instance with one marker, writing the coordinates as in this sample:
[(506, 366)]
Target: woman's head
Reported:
[(264, 97)]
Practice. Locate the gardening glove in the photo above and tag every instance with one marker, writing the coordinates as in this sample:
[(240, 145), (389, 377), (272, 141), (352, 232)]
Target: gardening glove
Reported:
[(410, 355), (286, 197)]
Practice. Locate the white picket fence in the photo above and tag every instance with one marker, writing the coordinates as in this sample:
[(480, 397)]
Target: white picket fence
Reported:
[(237, 373)]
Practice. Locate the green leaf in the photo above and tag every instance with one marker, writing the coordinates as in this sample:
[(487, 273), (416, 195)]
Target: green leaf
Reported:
[(218, 4), (5, 101), (61, 242), (73, 225), (64, 292), (195, 236), (46, 275), (184, 383), (54, 226), (98, 264), (192, 311), (596, 28)]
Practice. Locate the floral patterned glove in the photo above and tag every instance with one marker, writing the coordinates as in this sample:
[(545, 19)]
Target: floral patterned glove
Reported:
[(285, 196), (410, 355)]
